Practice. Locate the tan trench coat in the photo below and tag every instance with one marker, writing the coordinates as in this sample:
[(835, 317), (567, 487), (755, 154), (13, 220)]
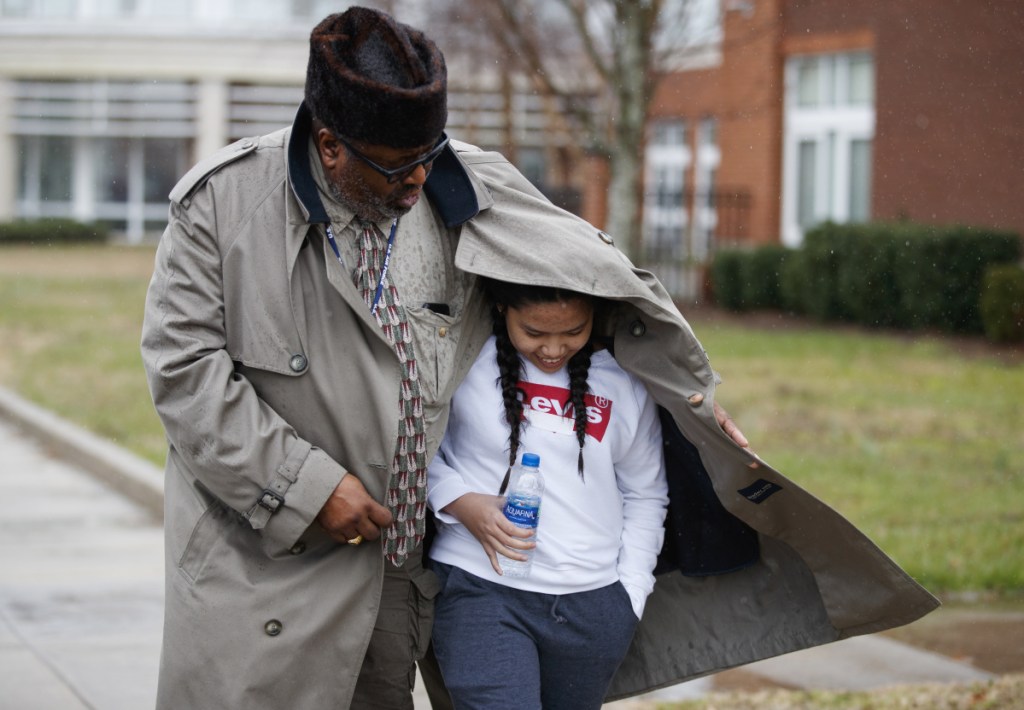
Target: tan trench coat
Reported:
[(262, 610)]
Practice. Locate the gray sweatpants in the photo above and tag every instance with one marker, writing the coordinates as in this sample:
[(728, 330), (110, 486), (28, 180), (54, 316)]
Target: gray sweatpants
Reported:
[(500, 647)]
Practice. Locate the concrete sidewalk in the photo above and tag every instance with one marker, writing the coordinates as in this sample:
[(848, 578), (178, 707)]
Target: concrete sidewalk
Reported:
[(81, 592)]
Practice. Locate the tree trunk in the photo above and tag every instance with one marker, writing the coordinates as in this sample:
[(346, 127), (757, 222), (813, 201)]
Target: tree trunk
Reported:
[(623, 199), (631, 91)]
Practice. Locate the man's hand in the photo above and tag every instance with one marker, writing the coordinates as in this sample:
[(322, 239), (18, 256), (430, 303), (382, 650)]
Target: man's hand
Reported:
[(729, 426), (482, 516), (351, 512)]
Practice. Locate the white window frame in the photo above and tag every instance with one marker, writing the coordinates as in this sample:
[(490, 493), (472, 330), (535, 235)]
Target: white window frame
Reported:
[(666, 163), (833, 124), (705, 213)]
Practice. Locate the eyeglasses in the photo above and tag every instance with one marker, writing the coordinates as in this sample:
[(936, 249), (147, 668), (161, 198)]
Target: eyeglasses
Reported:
[(400, 173)]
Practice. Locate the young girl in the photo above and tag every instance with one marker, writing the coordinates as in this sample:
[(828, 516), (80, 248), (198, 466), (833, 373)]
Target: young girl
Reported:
[(554, 638)]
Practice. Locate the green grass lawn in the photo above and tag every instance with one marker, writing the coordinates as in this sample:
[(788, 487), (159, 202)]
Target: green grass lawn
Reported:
[(918, 441), (70, 319)]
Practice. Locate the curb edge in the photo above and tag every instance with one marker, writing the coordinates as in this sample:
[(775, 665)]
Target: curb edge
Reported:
[(129, 474)]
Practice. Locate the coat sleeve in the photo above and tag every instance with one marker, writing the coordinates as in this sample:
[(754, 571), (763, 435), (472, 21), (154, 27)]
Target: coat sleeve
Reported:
[(640, 474), (233, 443)]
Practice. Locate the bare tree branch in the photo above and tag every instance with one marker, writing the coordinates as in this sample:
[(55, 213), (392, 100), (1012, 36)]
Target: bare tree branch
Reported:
[(578, 13), (519, 37), (611, 51)]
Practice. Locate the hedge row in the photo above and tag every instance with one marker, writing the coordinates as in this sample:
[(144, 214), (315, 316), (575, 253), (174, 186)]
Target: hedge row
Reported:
[(51, 231), (1002, 304), (751, 280), (893, 275)]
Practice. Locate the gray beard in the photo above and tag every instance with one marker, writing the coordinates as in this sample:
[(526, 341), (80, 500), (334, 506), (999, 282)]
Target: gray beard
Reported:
[(366, 205)]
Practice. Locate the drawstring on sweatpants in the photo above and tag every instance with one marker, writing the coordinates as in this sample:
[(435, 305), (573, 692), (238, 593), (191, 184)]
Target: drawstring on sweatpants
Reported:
[(559, 619)]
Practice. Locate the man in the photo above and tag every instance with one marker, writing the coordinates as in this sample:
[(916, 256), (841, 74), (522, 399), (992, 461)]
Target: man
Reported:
[(304, 330), (302, 392)]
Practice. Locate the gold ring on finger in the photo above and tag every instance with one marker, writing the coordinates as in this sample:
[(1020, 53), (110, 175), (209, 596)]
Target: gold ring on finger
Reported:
[(357, 540)]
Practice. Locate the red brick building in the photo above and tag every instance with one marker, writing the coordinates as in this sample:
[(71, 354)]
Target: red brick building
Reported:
[(831, 109)]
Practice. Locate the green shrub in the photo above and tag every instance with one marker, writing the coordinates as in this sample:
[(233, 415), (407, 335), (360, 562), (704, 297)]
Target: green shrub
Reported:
[(945, 271), (726, 279), (760, 276), (824, 248), (868, 287), (898, 275), (744, 279), (51, 230), (1002, 304), (793, 282)]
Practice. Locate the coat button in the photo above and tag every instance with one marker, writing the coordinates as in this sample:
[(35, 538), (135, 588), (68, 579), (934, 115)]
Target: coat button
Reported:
[(605, 237), (298, 548), (637, 328), (442, 331), (273, 627), (696, 399), (298, 363)]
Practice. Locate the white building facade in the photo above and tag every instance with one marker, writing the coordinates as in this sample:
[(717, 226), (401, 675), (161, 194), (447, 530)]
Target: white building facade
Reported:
[(104, 104)]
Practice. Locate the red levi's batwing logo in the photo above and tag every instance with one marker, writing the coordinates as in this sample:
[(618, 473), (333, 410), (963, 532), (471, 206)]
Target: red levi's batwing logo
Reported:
[(550, 408)]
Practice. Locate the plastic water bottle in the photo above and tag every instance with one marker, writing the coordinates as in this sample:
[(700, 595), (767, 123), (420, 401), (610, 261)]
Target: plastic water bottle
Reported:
[(522, 507)]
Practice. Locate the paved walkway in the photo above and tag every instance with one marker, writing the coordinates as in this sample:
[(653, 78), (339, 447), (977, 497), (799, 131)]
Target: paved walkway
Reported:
[(81, 588), (81, 592)]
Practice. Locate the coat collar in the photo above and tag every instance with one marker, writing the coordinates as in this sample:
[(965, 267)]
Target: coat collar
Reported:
[(452, 190)]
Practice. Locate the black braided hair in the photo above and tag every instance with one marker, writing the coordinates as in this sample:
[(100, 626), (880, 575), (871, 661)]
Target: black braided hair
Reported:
[(510, 363), (510, 368), (579, 367)]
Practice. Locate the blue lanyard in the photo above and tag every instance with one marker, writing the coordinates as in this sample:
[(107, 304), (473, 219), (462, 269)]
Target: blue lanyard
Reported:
[(383, 268)]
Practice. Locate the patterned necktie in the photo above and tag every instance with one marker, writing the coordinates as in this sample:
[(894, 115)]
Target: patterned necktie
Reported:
[(407, 486)]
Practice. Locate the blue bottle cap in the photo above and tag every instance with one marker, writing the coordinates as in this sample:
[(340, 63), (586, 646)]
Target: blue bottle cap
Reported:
[(531, 460)]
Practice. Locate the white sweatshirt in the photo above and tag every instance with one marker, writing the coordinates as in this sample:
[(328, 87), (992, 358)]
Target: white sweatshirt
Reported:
[(591, 533)]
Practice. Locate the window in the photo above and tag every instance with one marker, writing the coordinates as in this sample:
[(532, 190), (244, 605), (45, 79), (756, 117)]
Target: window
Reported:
[(255, 110), (829, 128), (861, 86), (208, 12), (690, 35), (705, 215), (808, 86), (807, 180), (44, 174), (531, 164), (162, 167), (860, 180), (102, 151), (38, 8), (115, 8), (666, 161)]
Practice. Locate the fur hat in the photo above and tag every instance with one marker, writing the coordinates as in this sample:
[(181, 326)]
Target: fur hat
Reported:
[(377, 81)]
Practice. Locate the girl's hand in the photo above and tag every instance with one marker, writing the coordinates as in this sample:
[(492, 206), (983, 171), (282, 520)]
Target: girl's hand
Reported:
[(482, 516)]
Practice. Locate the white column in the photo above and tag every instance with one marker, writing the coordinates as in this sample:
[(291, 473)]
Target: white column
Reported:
[(211, 116), (136, 193), (8, 152), (83, 181)]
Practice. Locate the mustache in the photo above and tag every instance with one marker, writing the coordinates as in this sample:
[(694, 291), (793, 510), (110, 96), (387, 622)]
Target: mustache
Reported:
[(406, 191)]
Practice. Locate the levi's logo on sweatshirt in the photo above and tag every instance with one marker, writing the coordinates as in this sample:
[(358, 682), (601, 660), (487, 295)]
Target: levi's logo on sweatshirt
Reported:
[(550, 408)]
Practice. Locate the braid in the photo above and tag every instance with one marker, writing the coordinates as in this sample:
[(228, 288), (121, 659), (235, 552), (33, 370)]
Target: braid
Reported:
[(579, 366), (510, 371)]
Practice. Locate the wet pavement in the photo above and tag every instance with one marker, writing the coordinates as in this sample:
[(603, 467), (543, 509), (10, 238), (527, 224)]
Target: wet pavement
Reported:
[(81, 588), (81, 592)]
